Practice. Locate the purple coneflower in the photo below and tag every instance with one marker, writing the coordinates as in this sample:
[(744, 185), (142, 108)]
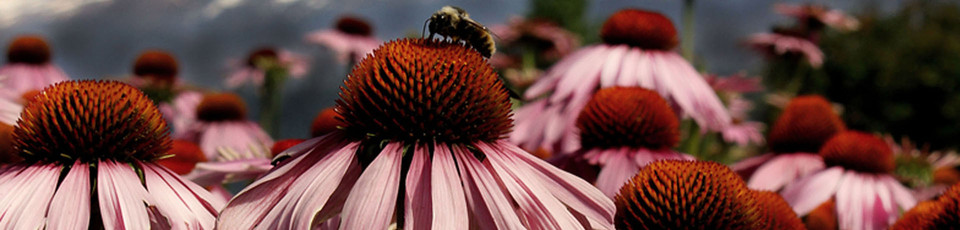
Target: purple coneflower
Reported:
[(253, 69), (859, 181), (623, 129), (421, 147), (794, 140), (28, 66), (731, 89), (156, 73), (90, 149), (777, 44), (636, 52), (704, 195), (236, 147), (351, 39)]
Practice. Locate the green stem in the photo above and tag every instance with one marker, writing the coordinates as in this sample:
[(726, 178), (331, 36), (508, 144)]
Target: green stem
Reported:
[(271, 99), (688, 29), (796, 82)]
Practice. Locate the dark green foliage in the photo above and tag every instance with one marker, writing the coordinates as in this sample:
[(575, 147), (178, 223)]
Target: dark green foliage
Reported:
[(899, 73)]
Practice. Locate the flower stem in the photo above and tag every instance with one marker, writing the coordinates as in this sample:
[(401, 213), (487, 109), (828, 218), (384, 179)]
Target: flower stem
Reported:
[(686, 43), (271, 98)]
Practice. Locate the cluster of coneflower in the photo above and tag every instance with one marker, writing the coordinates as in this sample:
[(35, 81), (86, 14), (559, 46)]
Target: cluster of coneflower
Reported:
[(423, 136)]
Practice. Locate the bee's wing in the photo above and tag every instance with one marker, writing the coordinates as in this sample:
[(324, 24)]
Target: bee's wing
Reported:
[(478, 25)]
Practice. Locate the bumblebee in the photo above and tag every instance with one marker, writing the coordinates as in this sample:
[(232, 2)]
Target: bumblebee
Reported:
[(455, 23)]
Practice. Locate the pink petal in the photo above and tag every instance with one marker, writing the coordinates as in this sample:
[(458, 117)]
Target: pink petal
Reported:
[(611, 67), (182, 206), (28, 194), (489, 204), (783, 169), (418, 204), (317, 186), (372, 201), (537, 205), (811, 191), (850, 197), (70, 208), (582, 74), (250, 206), (449, 201), (122, 198), (576, 193), (901, 195), (747, 167), (617, 171), (630, 70)]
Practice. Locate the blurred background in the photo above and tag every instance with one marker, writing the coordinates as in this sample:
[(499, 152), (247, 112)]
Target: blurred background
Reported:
[(909, 88)]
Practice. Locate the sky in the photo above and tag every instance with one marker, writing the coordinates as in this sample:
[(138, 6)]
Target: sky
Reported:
[(99, 39)]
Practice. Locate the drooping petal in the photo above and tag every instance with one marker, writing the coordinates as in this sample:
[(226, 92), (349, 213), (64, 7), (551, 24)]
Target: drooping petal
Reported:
[(811, 191), (576, 193), (184, 207), (783, 169), (419, 202), (122, 198), (70, 208), (540, 208), (449, 201), (246, 209), (27, 196), (617, 171), (317, 185), (372, 201), (489, 204)]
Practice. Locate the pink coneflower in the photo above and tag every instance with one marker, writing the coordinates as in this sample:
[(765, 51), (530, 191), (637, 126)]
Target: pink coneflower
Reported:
[(253, 69), (776, 44), (236, 147), (818, 16), (351, 39), (155, 72), (697, 194), (28, 66), (731, 89), (794, 140), (859, 180), (636, 52), (90, 149), (422, 146), (623, 129)]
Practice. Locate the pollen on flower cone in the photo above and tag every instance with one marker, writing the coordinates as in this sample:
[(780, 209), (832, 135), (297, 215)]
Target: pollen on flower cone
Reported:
[(221, 107), (628, 116), (327, 121), (354, 25), (806, 123), (858, 151), (639, 28), (775, 212), (680, 194), (29, 50), (29, 95), (942, 213), (417, 89), (157, 64), (185, 157), (90, 121)]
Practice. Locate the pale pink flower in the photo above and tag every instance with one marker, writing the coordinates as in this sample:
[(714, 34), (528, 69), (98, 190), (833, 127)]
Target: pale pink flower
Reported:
[(235, 147), (181, 112), (775, 44), (637, 52), (351, 39), (28, 66), (438, 161), (858, 178), (54, 186), (794, 139), (829, 17), (741, 131), (252, 69)]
